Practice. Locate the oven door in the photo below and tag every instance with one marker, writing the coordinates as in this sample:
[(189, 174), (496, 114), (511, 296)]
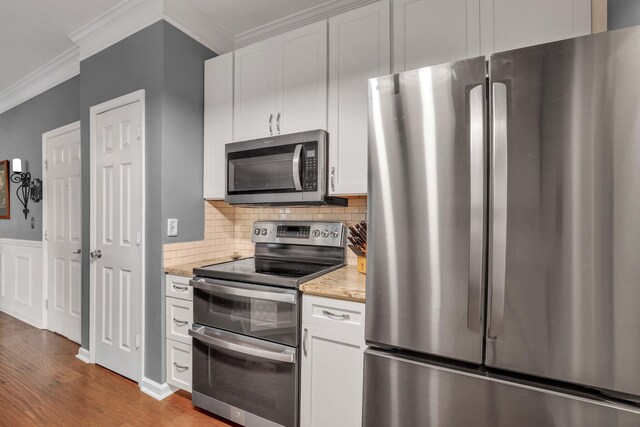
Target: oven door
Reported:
[(247, 380), (254, 310)]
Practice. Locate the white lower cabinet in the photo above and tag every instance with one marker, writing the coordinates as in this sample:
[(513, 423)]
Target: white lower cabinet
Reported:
[(332, 362), (178, 320)]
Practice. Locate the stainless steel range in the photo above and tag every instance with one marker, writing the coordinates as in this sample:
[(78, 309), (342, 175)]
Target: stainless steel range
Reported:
[(247, 322)]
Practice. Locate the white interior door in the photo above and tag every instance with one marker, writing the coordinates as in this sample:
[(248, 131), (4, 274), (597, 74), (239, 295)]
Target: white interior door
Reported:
[(63, 229), (117, 238)]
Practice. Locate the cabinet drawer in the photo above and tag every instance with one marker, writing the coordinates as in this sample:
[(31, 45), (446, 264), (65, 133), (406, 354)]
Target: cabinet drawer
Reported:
[(179, 287), (179, 365), (179, 317), (348, 316)]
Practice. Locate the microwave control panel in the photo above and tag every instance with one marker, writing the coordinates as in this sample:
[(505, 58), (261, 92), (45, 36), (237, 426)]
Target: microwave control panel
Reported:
[(311, 167)]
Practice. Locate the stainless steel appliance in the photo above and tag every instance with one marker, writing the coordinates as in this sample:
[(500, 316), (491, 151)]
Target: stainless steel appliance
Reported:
[(280, 170), (247, 322), (504, 242)]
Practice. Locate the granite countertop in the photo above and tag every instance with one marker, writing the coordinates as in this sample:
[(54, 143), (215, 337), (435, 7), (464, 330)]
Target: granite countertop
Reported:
[(186, 270), (344, 283)]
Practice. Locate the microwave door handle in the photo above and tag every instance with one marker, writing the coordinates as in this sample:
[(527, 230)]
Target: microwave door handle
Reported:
[(199, 333), (295, 166)]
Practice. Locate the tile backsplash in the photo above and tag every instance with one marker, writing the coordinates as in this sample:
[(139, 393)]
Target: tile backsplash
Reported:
[(227, 228)]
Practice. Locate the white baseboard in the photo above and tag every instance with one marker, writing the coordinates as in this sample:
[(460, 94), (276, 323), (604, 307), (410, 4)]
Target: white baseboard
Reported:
[(83, 354), (37, 323), (155, 390)]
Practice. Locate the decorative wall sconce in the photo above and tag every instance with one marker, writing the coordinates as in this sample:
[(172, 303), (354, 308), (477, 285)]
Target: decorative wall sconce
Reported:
[(28, 189)]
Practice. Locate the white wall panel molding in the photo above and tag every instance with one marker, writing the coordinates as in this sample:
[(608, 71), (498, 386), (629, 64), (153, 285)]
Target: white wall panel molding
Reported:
[(21, 291), (296, 20)]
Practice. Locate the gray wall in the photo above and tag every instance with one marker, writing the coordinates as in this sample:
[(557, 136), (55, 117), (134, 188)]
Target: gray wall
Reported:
[(182, 134), (168, 66), (622, 13), (21, 130)]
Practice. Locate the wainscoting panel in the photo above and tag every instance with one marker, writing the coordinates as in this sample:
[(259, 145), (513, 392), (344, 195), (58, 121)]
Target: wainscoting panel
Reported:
[(21, 289)]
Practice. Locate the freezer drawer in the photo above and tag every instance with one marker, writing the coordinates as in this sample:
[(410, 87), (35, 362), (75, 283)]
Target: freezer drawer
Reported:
[(564, 266), (401, 393), (426, 210)]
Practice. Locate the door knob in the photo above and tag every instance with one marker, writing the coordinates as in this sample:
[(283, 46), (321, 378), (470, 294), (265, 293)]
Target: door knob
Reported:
[(96, 254), (77, 252)]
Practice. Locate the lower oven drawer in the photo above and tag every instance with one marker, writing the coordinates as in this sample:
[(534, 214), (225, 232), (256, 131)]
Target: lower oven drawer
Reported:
[(243, 375), (254, 310)]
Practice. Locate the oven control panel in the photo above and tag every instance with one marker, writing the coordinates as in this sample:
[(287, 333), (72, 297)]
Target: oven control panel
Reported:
[(299, 233)]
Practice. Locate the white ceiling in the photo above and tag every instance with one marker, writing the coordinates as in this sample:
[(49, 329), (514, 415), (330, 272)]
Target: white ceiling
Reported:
[(33, 32)]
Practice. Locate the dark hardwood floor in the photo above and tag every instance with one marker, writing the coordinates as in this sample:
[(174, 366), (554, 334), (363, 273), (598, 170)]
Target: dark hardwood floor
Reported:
[(43, 384)]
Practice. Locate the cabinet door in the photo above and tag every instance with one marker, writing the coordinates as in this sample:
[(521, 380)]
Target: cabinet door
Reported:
[(430, 32), (359, 49), (303, 92), (511, 24), (332, 377), (218, 122), (256, 86)]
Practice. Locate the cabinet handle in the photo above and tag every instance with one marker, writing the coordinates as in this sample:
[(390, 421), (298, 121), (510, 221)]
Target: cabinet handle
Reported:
[(304, 341), (180, 288), (334, 316), (270, 122), (180, 367), (332, 177), (278, 123), (180, 322)]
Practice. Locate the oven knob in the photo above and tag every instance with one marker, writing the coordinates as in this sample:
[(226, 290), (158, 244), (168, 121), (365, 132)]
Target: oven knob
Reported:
[(325, 233), (256, 231), (334, 234), (264, 231), (316, 233)]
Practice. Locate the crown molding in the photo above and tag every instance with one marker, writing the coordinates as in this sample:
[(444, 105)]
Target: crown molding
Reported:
[(191, 21), (118, 23), (54, 72), (297, 20)]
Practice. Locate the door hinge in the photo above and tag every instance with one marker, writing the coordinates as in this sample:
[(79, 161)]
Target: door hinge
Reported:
[(137, 342), (46, 165), (139, 131), (138, 238), (46, 235), (46, 304)]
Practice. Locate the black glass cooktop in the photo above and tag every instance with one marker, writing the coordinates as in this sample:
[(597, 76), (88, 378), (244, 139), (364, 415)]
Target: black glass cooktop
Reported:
[(267, 271)]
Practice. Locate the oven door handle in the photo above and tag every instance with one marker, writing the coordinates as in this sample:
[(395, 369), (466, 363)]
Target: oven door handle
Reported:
[(287, 355), (295, 166), (289, 298)]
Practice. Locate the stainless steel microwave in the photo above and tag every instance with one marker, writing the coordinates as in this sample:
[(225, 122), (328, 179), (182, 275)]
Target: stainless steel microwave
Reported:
[(280, 170)]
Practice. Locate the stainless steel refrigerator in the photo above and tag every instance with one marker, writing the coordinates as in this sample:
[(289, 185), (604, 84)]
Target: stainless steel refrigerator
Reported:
[(503, 286)]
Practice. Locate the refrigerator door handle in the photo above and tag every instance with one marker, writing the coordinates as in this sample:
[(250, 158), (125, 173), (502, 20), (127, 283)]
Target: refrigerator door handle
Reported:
[(477, 207), (499, 210)]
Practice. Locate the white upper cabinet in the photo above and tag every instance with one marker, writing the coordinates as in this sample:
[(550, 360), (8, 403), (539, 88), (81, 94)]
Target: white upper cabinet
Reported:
[(511, 24), (218, 122), (359, 49), (281, 84), (304, 80), (256, 90), (430, 32)]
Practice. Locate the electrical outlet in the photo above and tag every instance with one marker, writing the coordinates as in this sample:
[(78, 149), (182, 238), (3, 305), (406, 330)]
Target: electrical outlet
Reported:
[(172, 227)]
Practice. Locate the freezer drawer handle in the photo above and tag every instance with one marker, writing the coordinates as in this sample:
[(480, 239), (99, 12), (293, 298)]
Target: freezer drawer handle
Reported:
[(180, 367), (499, 211), (334, 316), (288, 298), (287, 356), (180, 322), (477, 208)]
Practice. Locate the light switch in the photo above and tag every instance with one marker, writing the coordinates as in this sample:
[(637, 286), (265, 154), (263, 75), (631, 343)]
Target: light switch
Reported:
[(172, 227)]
